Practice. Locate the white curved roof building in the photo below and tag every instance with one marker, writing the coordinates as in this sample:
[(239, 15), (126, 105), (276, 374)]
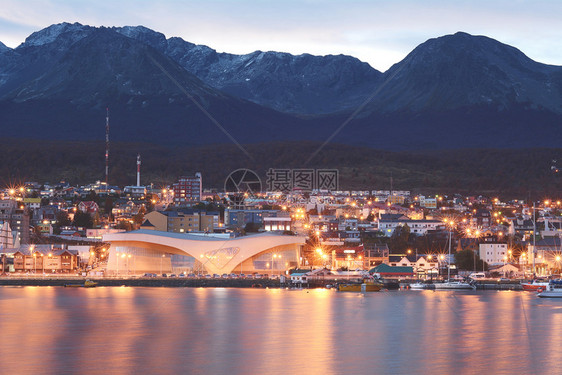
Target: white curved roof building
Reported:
[(144, 251)]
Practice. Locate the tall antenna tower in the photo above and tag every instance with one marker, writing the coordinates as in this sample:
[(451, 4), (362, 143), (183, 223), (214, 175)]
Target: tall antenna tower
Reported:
[(138, 169), (107, 148)]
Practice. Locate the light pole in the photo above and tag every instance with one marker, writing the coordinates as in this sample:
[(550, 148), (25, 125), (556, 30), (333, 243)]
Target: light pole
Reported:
[(123, 256), (161, 260), (31, 247), (429, 257), (451, 224)]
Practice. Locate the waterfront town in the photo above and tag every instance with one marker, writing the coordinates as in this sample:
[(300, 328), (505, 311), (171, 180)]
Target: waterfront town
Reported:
[(107, 231)]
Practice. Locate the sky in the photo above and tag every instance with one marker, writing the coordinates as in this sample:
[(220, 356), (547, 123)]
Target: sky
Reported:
[(378, 32)]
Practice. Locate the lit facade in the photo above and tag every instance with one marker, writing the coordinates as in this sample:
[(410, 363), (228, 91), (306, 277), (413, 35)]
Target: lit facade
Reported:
[(493, 253), (145, 251), (188, 189)]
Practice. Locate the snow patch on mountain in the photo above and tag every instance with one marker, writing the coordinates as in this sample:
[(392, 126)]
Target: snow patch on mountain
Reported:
[(143, 34), (51, 33)]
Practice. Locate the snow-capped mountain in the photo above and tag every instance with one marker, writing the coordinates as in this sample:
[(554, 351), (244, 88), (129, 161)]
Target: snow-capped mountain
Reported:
[(304, 84), (453, 91)]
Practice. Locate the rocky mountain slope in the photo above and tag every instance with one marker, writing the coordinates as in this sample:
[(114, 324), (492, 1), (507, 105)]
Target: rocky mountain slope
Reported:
[(454, 91)]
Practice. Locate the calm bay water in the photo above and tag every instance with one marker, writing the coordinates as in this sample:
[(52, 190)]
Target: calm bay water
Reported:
[(53, 330)]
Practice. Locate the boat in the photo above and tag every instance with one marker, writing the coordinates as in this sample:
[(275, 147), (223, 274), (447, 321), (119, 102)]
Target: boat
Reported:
[(86, 284), (451, 284), (553, 290), (423, 285), (418, 286), (535, 285), (365, 286)]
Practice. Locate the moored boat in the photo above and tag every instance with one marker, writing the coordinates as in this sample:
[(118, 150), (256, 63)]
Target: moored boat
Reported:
[(424, 285), (553, 290), (86, 284), (417, 286), (535, 285), (454, 285), (365, 286)]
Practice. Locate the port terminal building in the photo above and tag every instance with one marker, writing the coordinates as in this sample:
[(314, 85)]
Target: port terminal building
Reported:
[(149, 251)]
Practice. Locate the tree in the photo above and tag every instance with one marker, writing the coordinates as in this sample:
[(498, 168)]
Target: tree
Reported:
[(108, 207), (469, 260), (399, 241), (92, 196), (200, 206), (124, 225), (82, 219), (139, 217), (252, 227), (63, 219)]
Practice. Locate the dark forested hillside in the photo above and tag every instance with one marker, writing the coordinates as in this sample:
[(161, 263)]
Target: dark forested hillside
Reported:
[(515, 173)]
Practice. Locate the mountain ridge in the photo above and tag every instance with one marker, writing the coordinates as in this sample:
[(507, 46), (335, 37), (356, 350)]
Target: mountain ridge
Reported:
[(452, 91)]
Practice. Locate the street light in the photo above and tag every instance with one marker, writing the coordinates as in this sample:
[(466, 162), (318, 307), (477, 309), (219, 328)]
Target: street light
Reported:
[(31, 247), (273, 257), (122, 256)]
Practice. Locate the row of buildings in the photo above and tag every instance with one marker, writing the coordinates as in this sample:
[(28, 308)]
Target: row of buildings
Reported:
[(336, 221)]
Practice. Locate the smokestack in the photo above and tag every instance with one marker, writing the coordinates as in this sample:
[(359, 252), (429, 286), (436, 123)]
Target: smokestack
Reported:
[(138, 169)]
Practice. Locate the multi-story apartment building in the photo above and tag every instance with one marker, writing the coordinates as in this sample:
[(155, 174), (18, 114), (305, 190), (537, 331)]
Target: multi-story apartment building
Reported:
[(188, 189)]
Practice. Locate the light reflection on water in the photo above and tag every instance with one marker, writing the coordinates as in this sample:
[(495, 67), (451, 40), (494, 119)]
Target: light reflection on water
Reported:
[(52, 330)]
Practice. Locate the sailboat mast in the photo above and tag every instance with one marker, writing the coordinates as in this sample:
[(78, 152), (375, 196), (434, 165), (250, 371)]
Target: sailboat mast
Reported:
[(534, 239), (449, 260)]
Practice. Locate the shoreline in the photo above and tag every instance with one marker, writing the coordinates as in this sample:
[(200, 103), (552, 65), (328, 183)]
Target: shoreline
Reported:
[(145, 282), (199, 283)]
